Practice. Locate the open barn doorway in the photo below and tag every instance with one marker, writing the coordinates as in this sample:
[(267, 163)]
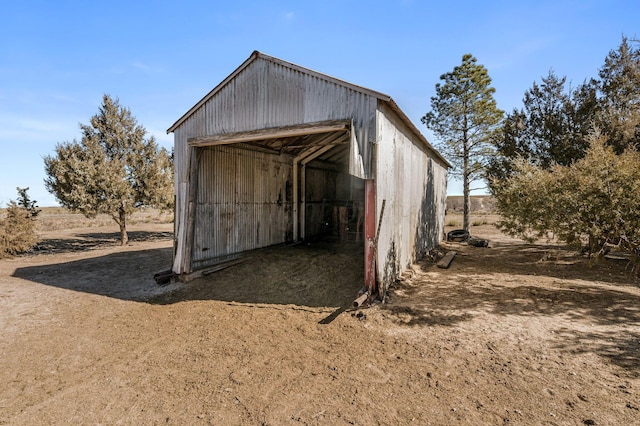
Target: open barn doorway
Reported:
[(255, 191), (274, 186)]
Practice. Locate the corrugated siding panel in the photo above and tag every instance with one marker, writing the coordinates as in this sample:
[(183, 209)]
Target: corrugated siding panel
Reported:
[(267, 94), (414, 187), (190, 128), (244, 202)]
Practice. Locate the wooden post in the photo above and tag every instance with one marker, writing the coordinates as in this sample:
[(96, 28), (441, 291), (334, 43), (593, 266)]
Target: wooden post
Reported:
[(191, 209), (295, 199), (303, 201), (360, 216), (344, 221), (369, 235)]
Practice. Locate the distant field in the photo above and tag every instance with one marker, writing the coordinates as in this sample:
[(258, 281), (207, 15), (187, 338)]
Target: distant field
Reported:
[(56, 218), (479, 203)]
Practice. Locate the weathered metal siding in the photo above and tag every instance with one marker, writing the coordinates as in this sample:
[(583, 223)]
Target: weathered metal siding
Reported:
[(193, 127), (244, 202), (413, 184), (268, 94)]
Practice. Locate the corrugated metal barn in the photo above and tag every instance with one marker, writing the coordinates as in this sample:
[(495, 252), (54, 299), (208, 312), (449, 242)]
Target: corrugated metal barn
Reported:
[(279, 153)]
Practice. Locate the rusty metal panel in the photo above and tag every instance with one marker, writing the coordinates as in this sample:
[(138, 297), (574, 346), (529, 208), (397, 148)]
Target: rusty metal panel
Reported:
[(414, 187), (244, 202)]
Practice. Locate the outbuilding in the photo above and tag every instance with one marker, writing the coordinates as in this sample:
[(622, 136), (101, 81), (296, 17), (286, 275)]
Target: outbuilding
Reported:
[(277, 153)]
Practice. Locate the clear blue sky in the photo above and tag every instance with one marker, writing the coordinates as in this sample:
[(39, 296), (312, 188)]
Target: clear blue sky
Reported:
[(57, 58)]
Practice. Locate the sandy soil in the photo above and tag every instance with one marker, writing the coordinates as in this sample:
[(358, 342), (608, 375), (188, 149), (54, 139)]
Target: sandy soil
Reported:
[(512, 334)]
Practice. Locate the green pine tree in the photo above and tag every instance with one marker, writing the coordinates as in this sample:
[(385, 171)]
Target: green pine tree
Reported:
[(552, 127), (465, 119), (619, 84)]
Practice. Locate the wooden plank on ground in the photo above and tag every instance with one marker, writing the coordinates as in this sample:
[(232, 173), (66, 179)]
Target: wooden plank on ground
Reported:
[(210, 270), (447, 259)]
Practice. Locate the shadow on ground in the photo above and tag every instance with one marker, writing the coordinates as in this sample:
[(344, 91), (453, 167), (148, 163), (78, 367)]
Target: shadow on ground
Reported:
[(90, 241), (314, 275), (529, 280), (620, 349), (320, 274), (126, 275), (548, 260)]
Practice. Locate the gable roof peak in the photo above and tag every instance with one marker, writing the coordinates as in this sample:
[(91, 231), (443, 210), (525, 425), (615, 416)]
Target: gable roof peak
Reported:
[(255, 55)]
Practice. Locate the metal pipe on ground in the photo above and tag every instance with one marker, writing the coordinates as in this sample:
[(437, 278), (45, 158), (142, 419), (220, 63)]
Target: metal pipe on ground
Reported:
[(361, 299)]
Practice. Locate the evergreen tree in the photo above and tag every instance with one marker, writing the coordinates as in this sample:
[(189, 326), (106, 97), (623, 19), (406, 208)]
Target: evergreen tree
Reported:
[(619, 102), (114, 169), (552, 127), (25, 202), (555, 123), (18, 227), (465, 119), (592, 200)]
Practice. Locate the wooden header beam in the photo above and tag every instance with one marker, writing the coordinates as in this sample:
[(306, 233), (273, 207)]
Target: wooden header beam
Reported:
[(272, 133)]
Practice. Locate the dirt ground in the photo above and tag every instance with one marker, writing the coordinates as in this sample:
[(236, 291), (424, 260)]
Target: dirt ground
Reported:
[(512, 334)]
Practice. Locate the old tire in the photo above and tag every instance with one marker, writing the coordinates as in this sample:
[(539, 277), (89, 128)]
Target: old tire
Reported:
[(458, 235)]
